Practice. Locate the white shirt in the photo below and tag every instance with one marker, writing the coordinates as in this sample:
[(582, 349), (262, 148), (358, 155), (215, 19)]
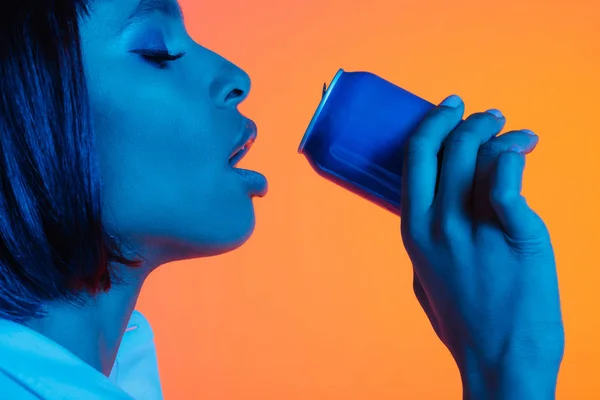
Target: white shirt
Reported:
[(33, 367)]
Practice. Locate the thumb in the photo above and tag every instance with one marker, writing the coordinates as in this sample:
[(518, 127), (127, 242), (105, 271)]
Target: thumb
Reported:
[(511, 208)]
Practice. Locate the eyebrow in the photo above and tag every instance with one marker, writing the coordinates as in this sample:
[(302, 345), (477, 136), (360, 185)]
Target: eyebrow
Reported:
[(144, 8)]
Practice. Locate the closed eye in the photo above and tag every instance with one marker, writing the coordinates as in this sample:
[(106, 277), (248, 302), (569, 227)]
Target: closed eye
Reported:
[(158, 58)]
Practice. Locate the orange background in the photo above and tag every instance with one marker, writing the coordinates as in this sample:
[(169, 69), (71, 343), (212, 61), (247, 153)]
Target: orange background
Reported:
[(319, 303)]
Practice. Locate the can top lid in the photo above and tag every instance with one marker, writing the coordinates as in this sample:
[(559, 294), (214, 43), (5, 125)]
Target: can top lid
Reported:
[(327, 91)]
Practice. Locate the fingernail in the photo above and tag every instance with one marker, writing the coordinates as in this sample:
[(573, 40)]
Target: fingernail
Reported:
[(495, 113), (527, 131), (516, 149), (451, 101)]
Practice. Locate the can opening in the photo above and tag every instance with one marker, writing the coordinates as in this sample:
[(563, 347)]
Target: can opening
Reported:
[(324, 97)]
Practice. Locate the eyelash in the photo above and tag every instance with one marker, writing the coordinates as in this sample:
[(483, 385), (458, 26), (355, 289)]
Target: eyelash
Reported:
[(159, 58)]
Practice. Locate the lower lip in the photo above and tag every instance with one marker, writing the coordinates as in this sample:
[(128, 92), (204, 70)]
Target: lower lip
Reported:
[(256, 183)]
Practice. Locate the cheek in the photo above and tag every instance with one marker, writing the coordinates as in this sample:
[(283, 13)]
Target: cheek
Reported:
[(147, 151), (153, 130), (148, 115), (165, 172)]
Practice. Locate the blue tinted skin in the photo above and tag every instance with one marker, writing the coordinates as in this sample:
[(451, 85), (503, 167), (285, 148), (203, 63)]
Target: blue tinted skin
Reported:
[(165, 128), (166, 123), (484, 268)]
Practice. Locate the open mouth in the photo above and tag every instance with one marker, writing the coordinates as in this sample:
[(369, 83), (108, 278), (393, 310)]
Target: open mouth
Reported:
[(248, 136), (237, 156)]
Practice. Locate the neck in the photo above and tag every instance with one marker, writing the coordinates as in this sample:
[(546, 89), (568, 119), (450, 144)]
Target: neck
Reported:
[(93, 331)]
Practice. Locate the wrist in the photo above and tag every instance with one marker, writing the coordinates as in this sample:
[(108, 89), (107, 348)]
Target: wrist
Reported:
[(514, 378)]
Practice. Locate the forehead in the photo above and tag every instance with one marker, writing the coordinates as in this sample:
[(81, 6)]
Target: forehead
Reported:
[(167, 7), (170, 7), (113, 16)]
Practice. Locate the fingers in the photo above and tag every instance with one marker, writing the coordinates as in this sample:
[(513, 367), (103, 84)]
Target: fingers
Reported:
[(459, 161), (512, 211), (486, 161), (471, 149), (524, 139), (421, 157)]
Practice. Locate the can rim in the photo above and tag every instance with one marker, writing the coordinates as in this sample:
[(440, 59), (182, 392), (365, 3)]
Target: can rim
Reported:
[(313, 121)]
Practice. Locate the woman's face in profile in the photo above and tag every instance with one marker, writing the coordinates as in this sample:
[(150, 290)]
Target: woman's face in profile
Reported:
[(166, 123)]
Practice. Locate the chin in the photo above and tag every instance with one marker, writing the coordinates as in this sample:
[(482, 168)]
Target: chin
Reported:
[(231, 242), (162, 251), (218, 232), (227, 235)]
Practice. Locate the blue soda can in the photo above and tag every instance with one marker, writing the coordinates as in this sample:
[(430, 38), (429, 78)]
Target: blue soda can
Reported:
[(357, 135)]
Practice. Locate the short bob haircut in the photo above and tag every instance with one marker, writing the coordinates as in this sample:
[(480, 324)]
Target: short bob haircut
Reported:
[(53, 245)]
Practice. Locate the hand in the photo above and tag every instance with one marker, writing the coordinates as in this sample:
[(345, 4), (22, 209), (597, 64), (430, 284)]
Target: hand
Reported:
[(484, 269)]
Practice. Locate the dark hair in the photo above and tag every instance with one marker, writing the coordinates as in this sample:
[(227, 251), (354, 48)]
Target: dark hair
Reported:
[(53, 245)]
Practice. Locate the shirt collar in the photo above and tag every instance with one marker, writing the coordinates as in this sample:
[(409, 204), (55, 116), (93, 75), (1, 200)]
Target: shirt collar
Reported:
[(48, 369)]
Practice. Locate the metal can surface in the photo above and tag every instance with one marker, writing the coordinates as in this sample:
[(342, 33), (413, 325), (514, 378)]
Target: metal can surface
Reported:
[(357, 135)]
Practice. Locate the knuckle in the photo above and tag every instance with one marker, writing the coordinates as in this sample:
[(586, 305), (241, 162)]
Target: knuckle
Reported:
[(482, 118), (511, 159), (477, 127), (492, 148), (481, 121), (449, 228), (460, 137), (502, 197), (500, 144), (516, 135)]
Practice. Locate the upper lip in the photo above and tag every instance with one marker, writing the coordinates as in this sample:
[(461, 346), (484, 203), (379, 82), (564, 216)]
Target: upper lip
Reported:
[(246, 139)]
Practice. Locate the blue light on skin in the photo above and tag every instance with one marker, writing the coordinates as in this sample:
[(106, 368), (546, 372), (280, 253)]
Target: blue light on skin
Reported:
[(152, 49), (164, 133)]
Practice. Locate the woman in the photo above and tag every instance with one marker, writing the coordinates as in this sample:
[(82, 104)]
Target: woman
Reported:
[(119, 137)]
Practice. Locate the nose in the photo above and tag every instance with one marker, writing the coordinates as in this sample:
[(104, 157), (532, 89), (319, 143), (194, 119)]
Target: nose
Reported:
[(231, 87)]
